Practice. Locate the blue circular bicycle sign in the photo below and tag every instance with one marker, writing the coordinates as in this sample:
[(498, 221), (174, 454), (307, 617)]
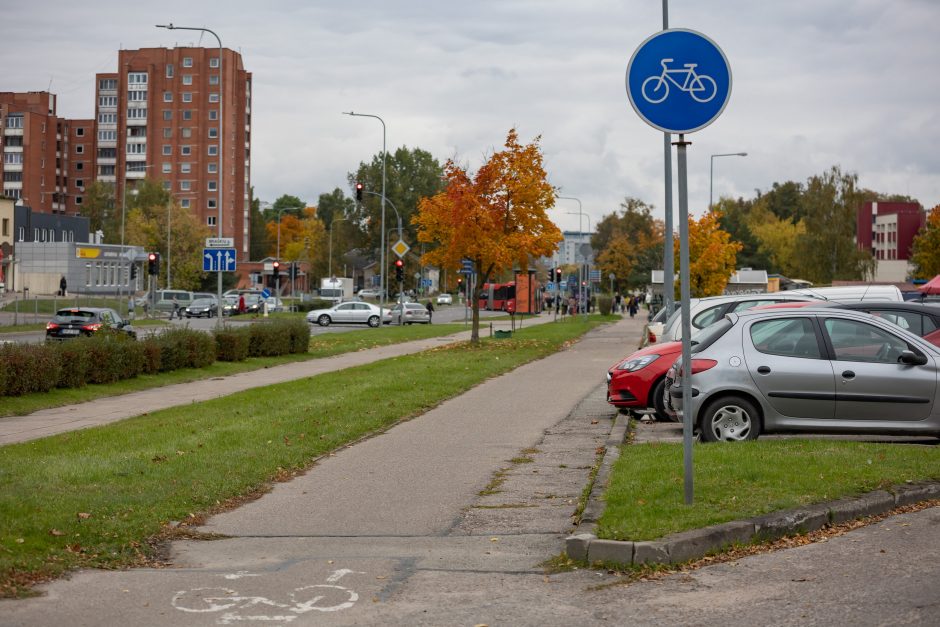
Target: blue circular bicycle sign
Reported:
[(678, 81)]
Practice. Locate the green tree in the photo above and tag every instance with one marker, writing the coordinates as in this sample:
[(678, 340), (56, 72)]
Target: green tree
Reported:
[(827, 249), (622, 240), (784, 200), (736, 220), (925, 250), (155, 216), (99, 207), (777, 239), (258, 244)]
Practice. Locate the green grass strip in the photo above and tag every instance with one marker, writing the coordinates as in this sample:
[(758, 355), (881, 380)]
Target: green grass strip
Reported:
[(92, 498), (645, 496), (321, 346)]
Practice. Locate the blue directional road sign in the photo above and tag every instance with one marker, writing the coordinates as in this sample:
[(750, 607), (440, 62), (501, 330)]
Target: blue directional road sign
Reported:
[(678, 81), (466, 267), (265, 293), (218, 260)]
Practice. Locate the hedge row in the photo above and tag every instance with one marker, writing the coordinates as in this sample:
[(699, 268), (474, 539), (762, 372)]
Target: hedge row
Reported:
[(109, 357)]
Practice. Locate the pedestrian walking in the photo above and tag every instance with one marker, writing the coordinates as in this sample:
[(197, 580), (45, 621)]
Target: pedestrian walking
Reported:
[(62, 286), (618, 301), (241, 303), (176, 310), (430, 308)]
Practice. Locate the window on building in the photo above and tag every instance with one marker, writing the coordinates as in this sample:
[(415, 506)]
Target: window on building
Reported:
[(13, 158), (14, 121), (166, 185), (213, 97), (187, 61), (21, 234), (137, 114), (185, 203), (167, 114), (187, 96), (79, 149), (78, 201), (213, 168), (186, 133), (107, 83), (186, 186), (187, 114), (167, 150), (137, 96), (169, 70), (136, 149), (168, 96), (107, 136), (167, 168), (186, 150), (212, 203), (107, 118), (80, 166), (79, 183), (213, 151), (214, 114), (213, 132), (6, 228), (80, 132), (213, 186), (186, 168), (210, 220), (214, 79), (187, 79), (107, 101), (167, 133), (214, 62), (137, 78), (106, 170)]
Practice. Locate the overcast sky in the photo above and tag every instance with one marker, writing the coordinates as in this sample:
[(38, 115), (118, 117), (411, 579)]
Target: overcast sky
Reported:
[(816, 83)]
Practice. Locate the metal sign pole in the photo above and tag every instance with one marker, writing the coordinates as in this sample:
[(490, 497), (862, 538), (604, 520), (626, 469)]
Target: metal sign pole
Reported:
[(688, 412)]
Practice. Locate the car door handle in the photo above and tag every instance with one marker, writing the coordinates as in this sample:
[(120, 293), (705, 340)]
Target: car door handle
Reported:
[(848, 374), (764, 370)]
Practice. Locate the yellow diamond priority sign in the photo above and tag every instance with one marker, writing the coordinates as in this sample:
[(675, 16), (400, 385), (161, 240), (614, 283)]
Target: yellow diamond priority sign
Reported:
[(400, 248)]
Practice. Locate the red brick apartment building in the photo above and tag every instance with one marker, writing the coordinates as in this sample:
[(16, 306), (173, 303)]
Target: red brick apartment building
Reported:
[(166, 114), (887, 230)]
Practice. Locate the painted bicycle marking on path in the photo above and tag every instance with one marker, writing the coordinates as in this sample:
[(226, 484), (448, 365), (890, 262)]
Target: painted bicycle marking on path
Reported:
[(237, 607)]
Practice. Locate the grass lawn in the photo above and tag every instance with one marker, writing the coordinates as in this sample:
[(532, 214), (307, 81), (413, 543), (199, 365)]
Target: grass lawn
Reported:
[(93, 498), (320, 346), (645, 497)]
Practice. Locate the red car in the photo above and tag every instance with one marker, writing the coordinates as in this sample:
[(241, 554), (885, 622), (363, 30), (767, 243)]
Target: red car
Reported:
[(637, 381)]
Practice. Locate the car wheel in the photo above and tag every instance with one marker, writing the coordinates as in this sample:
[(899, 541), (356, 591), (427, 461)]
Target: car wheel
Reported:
[(373, 321), (729, 419), (658, 403), (324, 320)]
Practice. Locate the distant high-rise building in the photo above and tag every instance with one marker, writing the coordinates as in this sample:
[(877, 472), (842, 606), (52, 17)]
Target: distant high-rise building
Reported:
[(166, 115)]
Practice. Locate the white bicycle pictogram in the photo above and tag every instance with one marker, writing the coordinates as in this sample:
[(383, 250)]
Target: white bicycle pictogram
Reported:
[(700, 87), (327, 597)]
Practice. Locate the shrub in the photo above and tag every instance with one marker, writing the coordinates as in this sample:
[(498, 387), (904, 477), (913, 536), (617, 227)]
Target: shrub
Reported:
[(74, 361), (106, 358), (185, 348), (232, 344), (310, 305), (29, 368), (151, 353), (298, 332), (604, 304), (268, 339)]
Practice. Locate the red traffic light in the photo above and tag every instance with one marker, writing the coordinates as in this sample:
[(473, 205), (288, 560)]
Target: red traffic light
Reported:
[(358, 191), (152, 257), (276, 265), (399, 263)]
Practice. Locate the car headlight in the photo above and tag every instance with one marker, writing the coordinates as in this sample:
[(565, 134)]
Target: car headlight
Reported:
[(637, 363)]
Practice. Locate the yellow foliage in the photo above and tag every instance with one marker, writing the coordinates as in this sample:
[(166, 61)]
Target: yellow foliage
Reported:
[(712, 256)]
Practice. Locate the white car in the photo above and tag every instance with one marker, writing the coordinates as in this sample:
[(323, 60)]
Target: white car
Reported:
[(349, 313), (445, 299), (369, 293)]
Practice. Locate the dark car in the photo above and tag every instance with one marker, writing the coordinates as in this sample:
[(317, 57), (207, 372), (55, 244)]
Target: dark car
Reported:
[(78, 321), (202, 307)]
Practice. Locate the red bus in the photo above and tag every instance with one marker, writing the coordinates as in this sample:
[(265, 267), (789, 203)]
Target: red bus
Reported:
[(508, 297), (498, 297)]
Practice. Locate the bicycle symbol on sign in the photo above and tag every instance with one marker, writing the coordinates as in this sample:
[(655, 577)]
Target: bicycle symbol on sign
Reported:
[(327, 597), (700, 87)]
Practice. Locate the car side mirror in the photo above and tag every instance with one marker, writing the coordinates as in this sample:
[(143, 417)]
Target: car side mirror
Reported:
[(910, 358)]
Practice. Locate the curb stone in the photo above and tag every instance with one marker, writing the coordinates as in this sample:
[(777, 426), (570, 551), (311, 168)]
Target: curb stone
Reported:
[(595, 504), (696, 543)]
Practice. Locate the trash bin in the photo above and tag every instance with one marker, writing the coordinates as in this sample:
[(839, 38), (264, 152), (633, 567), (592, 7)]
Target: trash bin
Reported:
[(501, 335)]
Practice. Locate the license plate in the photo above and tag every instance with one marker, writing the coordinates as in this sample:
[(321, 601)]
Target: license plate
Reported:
[(69, 331)]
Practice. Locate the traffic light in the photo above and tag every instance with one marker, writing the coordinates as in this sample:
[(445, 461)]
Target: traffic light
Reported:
[(275, 272), (558, 274), (133, 271), (399, 270), (292, 271), (153, 264), (358, 191)]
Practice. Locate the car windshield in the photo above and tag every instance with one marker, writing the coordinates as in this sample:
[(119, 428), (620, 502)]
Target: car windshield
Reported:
[(67, 315), (203, 302)]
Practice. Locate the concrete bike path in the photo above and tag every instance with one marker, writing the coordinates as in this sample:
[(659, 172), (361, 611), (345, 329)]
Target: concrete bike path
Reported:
[(110, 409), (369, 522)]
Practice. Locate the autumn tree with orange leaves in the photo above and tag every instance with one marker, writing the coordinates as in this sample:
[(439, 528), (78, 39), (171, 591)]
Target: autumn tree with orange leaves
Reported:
[(496, 218), (712, 256)]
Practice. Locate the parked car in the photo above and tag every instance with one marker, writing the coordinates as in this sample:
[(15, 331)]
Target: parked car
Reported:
[(349, 313), (230, 306), (810, 369), (410, 313), (200, 307), (369, 293), (445, 299), (77, 321)]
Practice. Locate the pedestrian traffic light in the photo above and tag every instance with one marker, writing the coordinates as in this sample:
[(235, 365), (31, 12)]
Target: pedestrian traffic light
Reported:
[(358, 190), (153, 264), (558, 273), (399, 270), (133, 271)]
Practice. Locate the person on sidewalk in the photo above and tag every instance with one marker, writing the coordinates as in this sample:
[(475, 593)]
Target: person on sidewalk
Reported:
[(430, 308), (176, 310), (62, 286)]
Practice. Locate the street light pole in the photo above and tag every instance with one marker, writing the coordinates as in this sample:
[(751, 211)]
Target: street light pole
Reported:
[(382, 236), (711, 171), (221, 137), (582, 289)]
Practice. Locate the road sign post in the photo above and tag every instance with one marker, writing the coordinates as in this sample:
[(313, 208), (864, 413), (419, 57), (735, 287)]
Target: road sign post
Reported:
[(679, 81)]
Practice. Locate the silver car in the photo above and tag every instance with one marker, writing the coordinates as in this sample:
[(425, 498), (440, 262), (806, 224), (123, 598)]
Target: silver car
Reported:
[(811, 369), (349, 313), (410, 313)]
